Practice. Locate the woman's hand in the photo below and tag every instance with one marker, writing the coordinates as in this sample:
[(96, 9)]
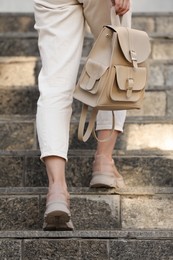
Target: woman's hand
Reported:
[(121, 6)]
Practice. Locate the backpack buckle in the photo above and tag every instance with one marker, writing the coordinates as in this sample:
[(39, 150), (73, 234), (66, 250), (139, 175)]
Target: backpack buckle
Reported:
[(134, 59), (130, 84)]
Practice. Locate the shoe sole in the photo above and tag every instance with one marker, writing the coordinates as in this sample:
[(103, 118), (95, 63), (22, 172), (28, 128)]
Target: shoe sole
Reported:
[(101, 181), (104, 181), (57, 215), (55, 225), (60, 215)]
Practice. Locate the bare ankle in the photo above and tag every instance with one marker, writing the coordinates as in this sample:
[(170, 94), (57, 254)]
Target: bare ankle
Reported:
[(100, 154), (55, 167)]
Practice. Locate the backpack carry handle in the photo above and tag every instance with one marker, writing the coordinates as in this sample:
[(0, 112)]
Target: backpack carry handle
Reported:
[(117, 20)]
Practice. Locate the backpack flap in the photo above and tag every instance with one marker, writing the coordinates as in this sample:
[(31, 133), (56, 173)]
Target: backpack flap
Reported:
[(94, 71), (135, 44)]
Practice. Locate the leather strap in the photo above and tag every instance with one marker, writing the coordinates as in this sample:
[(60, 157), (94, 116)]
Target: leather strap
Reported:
[(90, 129), (116, 20), (81, 135)]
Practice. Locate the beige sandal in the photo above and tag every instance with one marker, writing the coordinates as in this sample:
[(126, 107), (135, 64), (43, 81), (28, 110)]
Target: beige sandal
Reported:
[(57, 214), (105, 174), (57, 226)]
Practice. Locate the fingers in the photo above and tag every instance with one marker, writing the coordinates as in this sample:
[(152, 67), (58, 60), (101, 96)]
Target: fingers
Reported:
[(121, 6)]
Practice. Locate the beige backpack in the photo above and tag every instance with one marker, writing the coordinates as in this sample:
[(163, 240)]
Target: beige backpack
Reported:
[(115, 74)]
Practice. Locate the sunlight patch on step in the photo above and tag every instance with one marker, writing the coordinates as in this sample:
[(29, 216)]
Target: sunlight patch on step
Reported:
[(17, 71), (150, 136)]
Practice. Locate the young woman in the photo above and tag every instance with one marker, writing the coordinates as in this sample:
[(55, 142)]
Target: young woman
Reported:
[(60, 25)]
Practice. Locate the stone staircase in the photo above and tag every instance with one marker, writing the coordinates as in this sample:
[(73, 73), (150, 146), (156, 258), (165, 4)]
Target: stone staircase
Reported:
[(133, 224)]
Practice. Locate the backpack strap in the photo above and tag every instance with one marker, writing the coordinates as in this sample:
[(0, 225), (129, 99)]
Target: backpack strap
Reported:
[(90, 129), (81, 135)]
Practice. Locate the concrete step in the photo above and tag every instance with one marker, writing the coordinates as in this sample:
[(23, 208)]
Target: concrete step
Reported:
[(19, 72), (152, 133), (17, 22), (83, 245), (22, 101), (23, 209), (18, 132), (25, 44), (152, 23), (18, 44), (149, 168), (19, 92), (140, 133)]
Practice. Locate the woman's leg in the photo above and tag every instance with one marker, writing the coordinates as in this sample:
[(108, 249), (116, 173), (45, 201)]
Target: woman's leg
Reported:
[(101, 10), (60, 26), (105, 173)]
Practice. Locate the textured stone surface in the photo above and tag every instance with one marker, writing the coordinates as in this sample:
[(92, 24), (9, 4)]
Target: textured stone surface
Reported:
[(156, 75), (127, 191), (10, 249), (164, 24), (25, 212), (23, 101), (142, 171), (137, 170), (97, 212), (18, 101), (19, 213), (150, 250), (16, 22), (79, 171), (154, 22), (140, 234), (17, 135), (170, 103), (14, 45), (25, 44), (147, 212), (51, 249), (11, 171), (139, 134), (163, 50), (145, 171), (75, 249), (91, 212), (94, 249), (160, 75), (169, 76), (150, 136), (154, 104), (17, 71), (35, 172), (141, 23)]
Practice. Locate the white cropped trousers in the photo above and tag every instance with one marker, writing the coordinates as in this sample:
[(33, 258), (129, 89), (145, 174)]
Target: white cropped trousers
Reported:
[(60, 25)]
